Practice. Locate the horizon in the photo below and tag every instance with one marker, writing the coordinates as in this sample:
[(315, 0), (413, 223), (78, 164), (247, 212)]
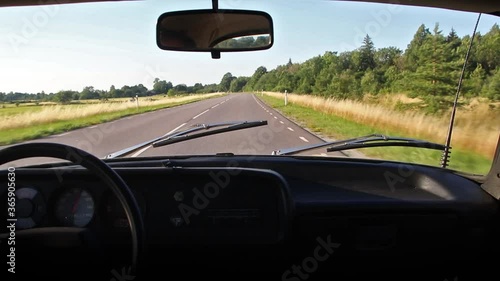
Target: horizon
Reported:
[(110, 51)]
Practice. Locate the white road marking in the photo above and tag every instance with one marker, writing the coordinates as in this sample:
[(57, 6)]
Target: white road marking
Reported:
[(275, 117), (147, 147), (63, 134), (92, 127), (304, 139), (130, 117), (282, 122), (215, 105), (201, 114), (290, 129), (271, 113), (176, 128)]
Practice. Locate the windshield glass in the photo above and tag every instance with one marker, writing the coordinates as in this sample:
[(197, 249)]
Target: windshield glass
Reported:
[(92, 76)]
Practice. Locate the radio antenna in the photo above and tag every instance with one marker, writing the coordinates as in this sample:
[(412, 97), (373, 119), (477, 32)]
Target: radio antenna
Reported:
[(446, 152)]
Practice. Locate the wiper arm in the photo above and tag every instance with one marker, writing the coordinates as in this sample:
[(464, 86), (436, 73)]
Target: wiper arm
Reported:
[(374, 140), (186, 134)]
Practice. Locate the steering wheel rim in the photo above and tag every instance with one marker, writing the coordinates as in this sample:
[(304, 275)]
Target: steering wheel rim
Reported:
[(99, 168)]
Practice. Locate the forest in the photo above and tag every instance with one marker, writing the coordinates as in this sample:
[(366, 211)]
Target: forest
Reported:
[(429, 68)]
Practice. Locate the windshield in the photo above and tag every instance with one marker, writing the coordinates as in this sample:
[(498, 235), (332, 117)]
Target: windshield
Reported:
[(92, 76)]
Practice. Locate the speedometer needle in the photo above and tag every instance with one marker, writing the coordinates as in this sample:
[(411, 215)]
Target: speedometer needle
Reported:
[(75, 204)]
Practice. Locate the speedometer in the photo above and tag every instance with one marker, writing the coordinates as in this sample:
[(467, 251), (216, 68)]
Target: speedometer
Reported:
[(74, 207)]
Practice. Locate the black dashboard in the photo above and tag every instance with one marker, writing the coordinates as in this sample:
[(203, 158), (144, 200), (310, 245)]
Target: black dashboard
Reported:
[(241, 210)]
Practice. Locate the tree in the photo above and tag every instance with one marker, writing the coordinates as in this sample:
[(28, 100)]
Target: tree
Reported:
[(238, 84), (493, 90), (88, 93), (369, 83), (64, 97), (261, 70), (366, 55), (453, 40), (181, 88), (488, 50), (161, 86), (412, 53), (225, 83)]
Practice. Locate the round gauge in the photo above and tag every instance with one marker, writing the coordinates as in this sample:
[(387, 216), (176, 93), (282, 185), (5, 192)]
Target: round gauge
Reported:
[(75, 207), (30, 208)]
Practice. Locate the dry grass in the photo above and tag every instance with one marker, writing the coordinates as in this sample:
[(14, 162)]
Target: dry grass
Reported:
[(56, 113), (476, 127)]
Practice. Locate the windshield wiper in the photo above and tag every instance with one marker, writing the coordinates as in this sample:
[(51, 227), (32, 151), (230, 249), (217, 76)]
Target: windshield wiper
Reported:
[(374, 140), (228, 126), (187, 135)]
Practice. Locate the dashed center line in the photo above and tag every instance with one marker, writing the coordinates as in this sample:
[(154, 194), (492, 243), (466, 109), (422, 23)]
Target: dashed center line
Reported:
[(215, 105), (282, 122), (147, 147), (290, 129), (304, 139), (140, 151), (201, 114), (275, 117)]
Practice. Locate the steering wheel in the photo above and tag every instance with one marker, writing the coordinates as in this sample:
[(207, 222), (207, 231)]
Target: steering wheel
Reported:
[(100, 169)]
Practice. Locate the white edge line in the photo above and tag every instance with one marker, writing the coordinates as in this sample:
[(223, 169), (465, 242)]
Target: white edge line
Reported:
[(63, 134)]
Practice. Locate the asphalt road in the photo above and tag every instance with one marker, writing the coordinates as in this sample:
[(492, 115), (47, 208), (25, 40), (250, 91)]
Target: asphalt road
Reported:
[(110, 137)]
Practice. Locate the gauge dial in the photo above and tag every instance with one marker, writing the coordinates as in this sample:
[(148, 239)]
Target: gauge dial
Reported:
[(75, 207), (30, 207)]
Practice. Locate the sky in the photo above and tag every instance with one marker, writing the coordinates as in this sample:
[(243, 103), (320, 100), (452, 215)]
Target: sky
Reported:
[(67, 47)]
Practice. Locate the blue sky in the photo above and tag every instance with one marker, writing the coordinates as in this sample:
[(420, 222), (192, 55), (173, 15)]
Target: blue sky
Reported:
[(60, 47)]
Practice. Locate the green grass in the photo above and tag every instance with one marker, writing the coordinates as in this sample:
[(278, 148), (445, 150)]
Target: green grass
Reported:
[(15, 135), (340, 128), (13, 110)]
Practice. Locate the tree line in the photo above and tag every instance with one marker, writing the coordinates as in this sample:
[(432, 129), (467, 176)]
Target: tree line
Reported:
[(428, 68), (89, 92)]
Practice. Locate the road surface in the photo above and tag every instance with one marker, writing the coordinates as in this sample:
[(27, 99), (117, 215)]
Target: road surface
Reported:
[(106, 138)]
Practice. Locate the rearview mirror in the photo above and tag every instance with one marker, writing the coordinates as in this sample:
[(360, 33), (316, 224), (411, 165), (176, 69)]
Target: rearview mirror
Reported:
[(214, 31)]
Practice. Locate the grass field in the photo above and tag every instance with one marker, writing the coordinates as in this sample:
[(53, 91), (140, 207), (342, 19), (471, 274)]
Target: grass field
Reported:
[(20, 123), (347, 119)]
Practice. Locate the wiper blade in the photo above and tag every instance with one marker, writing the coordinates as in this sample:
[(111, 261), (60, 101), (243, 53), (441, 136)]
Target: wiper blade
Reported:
[(374, 140), (186, 134)]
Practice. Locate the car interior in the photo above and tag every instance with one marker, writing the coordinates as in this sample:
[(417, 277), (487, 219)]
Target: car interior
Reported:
[(230, 216)]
